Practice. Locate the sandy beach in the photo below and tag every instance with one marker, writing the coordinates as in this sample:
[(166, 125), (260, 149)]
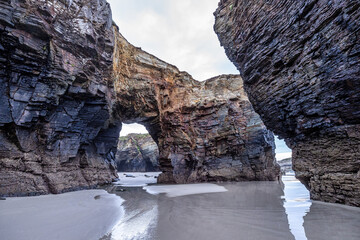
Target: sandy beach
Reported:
[(87, 214), (141, 210), (246, 211)]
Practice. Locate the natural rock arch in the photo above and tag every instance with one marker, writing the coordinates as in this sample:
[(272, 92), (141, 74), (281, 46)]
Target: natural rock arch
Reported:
[(68, 80), (206, 131)]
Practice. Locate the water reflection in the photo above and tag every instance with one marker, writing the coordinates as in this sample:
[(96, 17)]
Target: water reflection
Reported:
[(297, 204), (332, 222), (248, 210), (135, 225), (141, 213)]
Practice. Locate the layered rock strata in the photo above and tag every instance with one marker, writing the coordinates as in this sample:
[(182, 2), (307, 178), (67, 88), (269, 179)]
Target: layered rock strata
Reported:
[(206, 131), (68, 80), (137, 153), (55, 128), (300, 61)]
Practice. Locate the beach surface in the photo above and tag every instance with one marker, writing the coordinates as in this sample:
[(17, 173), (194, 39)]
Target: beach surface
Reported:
[(87, 214), (136, 208), (239, 210)]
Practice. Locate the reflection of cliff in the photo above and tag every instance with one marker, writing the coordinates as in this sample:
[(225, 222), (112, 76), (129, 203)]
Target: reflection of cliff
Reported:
[(246, 211), (137, 153), (332, 222)]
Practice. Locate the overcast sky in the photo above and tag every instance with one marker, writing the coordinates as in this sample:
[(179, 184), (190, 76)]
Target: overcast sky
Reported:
[(179, 32)]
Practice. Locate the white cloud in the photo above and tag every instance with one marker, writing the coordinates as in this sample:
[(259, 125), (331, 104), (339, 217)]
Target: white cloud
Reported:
[(281, 156), (132, 128), (179, 32)]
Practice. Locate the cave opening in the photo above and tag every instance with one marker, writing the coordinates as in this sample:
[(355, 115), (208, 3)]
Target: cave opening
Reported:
[(283, 156), (136, 150)]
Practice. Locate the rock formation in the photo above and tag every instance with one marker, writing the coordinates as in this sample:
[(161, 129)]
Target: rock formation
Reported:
[(300, 61), (206, 131), (55, 128), (285, 165), (68, 80), (137, 153)]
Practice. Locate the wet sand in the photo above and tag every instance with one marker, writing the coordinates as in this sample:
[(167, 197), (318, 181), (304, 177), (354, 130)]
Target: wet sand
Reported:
[(247, 210), (244, 210), (87, 214)]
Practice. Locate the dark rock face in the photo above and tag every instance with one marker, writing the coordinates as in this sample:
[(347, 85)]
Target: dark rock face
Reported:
[(137, 153), (68, 80), (206, 131), (55, 128), (300, 61)]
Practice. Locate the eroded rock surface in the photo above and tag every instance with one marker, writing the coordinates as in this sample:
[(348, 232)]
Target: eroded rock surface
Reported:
[(55, 130), (68, 80), (137, 153), (206, 131), (300, 61)]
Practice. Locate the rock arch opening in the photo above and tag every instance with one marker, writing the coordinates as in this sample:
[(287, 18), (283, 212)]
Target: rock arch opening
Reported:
[(67, 90), (205, 131), (136, 151), (283, 155)]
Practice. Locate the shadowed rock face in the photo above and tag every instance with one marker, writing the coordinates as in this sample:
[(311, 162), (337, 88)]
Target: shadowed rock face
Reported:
[(137, 153), (300, 64), (67, 81), (55, 63), (206, 131)]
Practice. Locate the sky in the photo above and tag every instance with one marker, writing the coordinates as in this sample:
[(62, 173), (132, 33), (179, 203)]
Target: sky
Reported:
[(179, 32)]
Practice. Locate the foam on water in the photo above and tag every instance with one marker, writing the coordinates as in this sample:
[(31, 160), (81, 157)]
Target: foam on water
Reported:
[(139, 179)]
